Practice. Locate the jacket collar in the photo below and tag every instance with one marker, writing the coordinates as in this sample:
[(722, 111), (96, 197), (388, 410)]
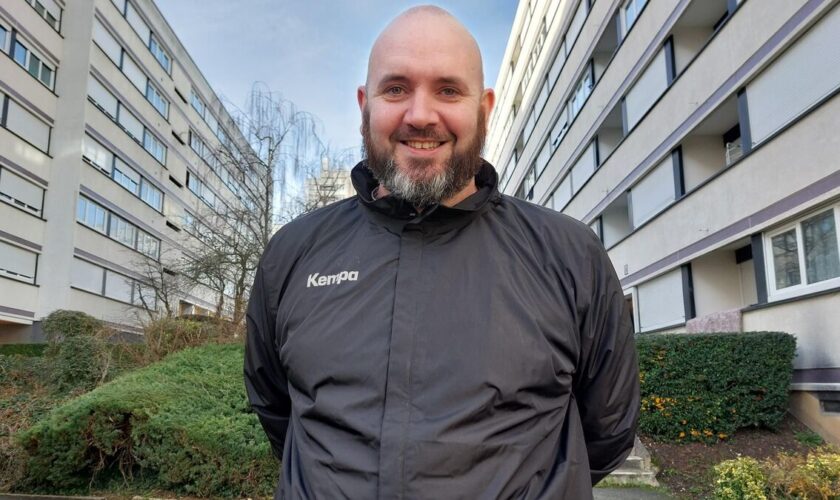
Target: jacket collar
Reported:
[(396, 214)]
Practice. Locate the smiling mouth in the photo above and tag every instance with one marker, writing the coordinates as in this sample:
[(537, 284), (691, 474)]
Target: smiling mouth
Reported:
[(422, 144)]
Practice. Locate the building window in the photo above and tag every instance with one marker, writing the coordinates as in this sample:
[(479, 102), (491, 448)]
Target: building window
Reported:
[(17, 263), (157, 100), (48, 10), (148, 245), (104, 282), (106, 101), (33, 64), (632, 9), (91, 214), (122, 231), (582, 90), (102, 98), (97, 155), (526, 189), (118, 229), (804, 256), (151, 195), (160, 54), (24, 124), (126, 177), (20, 192), (200, 189), (100, 157), (132, 15), (4, 38), (154, 147), (198, 145), (197, 103)]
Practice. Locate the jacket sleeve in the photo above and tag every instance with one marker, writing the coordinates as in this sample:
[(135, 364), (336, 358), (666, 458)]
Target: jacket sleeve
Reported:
[(607, 380), (265, 380)]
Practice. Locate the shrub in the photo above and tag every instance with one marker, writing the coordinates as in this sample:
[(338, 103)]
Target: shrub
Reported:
[(703, 387), (78, 351), (183, 424), (167, 335), (23, 399), (740, 479), (62, 323), (79, 363), (816, 476)]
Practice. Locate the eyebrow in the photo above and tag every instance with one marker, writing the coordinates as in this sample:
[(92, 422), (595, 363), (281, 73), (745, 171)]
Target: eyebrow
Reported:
[(444, 80)]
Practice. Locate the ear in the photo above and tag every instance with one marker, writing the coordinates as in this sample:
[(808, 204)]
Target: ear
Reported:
[(488, 100), (361, 96)]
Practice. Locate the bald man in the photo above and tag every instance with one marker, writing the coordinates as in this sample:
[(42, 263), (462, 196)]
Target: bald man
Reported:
[(431, 337)]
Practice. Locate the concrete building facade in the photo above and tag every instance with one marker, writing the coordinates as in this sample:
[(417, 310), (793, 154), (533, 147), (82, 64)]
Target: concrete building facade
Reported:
[(105, 140), (698, 139), (332, 183)]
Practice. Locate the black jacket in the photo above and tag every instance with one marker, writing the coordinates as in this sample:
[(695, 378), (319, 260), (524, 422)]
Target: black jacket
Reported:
[(479, 351)]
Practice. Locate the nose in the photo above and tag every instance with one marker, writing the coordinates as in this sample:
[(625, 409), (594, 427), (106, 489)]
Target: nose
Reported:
[(421, 112)]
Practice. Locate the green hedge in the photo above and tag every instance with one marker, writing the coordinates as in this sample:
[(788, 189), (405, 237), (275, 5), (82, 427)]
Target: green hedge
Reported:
[(182, 424), (703, 387)]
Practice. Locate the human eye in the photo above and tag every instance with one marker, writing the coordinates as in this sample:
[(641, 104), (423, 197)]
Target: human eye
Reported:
[(394, 91), (449, 92)]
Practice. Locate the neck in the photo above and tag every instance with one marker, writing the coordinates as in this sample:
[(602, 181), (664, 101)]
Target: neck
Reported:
[(461, 195), (470, 189)]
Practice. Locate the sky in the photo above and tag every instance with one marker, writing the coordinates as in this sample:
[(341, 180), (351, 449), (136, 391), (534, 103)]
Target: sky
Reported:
[(313, 52)]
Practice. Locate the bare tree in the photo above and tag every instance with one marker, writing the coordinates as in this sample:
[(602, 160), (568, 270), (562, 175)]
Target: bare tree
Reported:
[(163, 283), (278, 144)]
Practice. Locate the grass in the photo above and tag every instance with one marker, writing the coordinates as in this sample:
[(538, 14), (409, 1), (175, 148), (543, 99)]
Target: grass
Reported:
[(809, 438), (28, 350)]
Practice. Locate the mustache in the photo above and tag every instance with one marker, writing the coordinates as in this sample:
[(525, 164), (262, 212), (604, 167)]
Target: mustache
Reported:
[(409, 133)]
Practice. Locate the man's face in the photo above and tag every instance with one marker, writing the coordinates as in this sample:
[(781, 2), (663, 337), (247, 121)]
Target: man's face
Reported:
[(424, 111)]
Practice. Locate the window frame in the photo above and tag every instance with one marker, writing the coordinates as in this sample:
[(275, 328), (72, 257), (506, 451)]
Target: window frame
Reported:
[(153, 40), (27, 61), (84, 221), (7, 42), (110, 172), (638, 7), (56, 26), (803, 287)]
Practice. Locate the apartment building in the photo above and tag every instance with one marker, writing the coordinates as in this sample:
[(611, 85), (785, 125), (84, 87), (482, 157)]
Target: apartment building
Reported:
[(698, 139), (106, 160), (332, 183)]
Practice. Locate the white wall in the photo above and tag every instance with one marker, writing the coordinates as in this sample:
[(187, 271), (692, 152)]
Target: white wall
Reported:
[(813, 321), (717, 283)]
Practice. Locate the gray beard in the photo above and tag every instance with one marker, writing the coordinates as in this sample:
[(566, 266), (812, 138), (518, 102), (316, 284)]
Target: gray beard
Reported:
[(418, 193), (459, 170)]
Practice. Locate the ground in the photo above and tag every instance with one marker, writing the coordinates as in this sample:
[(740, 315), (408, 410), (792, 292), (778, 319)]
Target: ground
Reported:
[(686, 469)]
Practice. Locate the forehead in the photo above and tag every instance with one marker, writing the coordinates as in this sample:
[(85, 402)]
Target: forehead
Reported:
[(425, 48)]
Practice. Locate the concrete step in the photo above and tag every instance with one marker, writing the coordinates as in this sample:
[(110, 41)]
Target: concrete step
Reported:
[(636, 468)]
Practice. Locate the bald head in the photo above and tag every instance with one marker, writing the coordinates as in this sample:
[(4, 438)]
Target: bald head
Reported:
[(432, 30)]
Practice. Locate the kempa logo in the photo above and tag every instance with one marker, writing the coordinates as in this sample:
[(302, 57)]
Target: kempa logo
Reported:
[(332, 279)]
